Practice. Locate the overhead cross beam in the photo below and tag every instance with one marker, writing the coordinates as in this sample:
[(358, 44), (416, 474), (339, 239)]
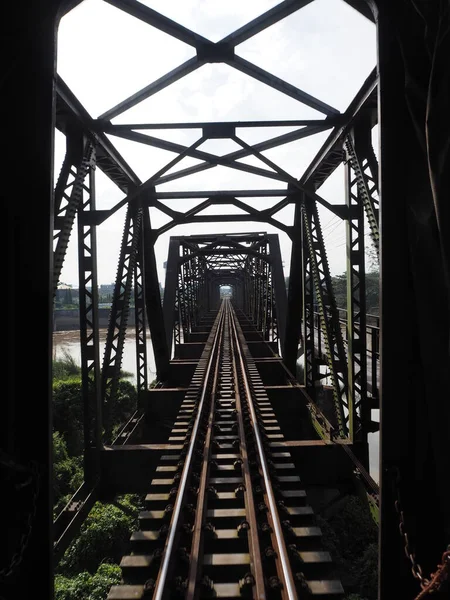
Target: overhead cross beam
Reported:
[(208, 52)]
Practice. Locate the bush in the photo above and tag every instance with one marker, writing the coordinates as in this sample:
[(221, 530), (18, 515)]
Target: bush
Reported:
[(351, 537), (66, 367), (67, 473), (68, 410), (124, 405), (68, 413), (86, 586), (104, 536), (366, 572)]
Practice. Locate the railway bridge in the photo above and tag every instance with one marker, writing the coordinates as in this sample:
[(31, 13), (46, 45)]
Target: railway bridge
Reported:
[(266, 395)]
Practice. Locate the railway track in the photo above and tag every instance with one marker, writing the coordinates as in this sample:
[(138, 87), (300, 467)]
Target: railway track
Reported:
[(226, 515)]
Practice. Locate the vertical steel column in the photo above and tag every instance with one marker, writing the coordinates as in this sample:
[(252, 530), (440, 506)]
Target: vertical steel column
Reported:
[(279, 286), (295, 297), (414, 94), (309, 351), (358, 410), (258, 305), (89, 329), (250, 283), (28, 33), (68, 194), (171, 300), (152, 296), (202, 300), (266, 304), (140, 318), (118, 318), (329, 316), (184, 293), (360, 155)]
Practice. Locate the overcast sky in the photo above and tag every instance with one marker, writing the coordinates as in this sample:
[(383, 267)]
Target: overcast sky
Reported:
[(326, 49)]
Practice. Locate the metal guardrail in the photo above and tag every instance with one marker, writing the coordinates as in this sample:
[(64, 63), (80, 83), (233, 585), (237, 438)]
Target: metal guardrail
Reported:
[(372, 343)]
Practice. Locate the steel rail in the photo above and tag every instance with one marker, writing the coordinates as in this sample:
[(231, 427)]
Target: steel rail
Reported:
[(200, 512), (161, 587), (283, 555), (253, 538)]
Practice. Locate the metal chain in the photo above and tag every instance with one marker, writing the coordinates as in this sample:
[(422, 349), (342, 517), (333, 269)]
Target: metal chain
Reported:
[(438, 579), (25, 537), (428, 585), (416, 569)]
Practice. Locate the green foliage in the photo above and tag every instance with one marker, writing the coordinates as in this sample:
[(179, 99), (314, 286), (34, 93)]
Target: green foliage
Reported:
[(366, 571), (67, 473), (65, 368), (125, 403), (84, 573), (86, 586), (104, 535), (372, 291), (351, 537), (68, 410), (68, 413)]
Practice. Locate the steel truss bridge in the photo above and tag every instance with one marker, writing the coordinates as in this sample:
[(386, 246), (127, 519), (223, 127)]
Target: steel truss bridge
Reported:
[(238, 442)]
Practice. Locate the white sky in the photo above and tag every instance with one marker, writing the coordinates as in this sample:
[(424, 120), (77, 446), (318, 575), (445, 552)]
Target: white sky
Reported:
[(104, 55)]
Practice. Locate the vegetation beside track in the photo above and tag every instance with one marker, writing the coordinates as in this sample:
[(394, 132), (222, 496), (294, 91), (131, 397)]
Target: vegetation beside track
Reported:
[(90, 565)]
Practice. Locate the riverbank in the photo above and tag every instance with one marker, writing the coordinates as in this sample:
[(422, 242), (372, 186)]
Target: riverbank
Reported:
[(69, 319)]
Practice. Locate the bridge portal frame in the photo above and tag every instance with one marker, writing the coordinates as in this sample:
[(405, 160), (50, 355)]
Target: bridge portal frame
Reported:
[(415, 432)]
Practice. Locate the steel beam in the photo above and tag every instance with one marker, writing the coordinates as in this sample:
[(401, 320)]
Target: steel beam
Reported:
[(279, 286), (367, 9), (155, 19), (27, 92), (279, 140), (140, 319), (360, 153), (270, 17), (189, 66), (336, 209), (153, 302), (225, 219), (89, 334), (329, 318), (223, 194), (280, 85), (170, 289), (330, 121), (68, 195), (118, 318), (295, 299), (358, 410), (310, 362), (330, 155), (72, 116), (415, 414)]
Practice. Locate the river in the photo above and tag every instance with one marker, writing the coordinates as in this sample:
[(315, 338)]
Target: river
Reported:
[(69, 342)]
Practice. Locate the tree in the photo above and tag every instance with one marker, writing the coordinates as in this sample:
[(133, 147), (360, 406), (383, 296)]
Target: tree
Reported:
[(372, 261)]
